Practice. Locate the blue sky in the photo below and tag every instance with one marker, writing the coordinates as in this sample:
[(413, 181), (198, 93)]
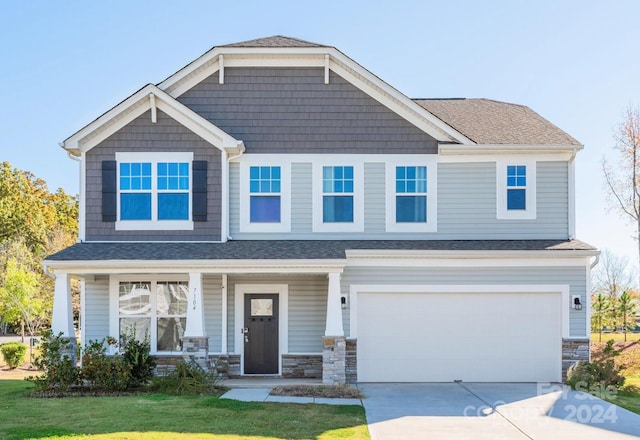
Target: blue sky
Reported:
[(577, 63)]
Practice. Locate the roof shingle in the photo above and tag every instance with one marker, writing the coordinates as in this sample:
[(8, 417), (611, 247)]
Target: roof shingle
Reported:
[(493, 122), (274, 41)]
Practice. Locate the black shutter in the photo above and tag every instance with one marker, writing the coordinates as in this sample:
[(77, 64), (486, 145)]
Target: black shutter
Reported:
[(109, 191), (199, 192)]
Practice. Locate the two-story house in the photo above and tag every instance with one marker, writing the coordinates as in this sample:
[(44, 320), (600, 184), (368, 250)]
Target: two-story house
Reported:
[(277, 208)]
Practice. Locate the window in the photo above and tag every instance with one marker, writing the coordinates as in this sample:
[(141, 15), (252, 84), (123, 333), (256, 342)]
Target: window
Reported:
[(338, 196), (264, 186), (411, 196), (154, 191), (516, 189), (157, 309), (265, 194)]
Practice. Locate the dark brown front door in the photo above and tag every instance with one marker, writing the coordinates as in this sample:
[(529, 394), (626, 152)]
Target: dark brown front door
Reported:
[(260, 334)]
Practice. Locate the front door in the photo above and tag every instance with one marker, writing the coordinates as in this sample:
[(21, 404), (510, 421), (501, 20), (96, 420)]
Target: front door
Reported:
[(260, 334)]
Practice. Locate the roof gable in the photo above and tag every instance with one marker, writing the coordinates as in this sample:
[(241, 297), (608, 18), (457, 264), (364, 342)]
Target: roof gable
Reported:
[(148, 98)]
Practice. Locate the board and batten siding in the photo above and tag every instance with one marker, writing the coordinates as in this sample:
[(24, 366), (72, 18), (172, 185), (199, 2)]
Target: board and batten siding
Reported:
[(574, 276), (292, 110), (96, 310), (141, 135), (466, 205), (307, 309), (212, 301)]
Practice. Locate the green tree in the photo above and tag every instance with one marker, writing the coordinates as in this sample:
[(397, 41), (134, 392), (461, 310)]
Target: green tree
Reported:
[(626, 311), (600, 316)]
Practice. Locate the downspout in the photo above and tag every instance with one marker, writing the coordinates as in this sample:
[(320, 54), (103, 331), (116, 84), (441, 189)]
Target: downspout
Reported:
[(571, 215), (225, 204), (81, 207)]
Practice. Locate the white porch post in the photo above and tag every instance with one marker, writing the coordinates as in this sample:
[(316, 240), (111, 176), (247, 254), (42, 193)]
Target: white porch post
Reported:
[(334, 309), (334, 343), (195, 309), (62, 319), (225, 318), (195, 341)]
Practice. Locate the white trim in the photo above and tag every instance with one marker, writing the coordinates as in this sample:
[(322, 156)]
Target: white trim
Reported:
[(571, 209), (224, 203), (83, 312), (134, 106), (154, 109), (114, 314), (225, 314), (355, 289), (246, 162), (317, 195), (587, 305), (529, 213), (221, 68), (431, 225), (418, 258), (344, 66), (452, 149), (478, 157), (282, 290), (154, 224), (82, 204)]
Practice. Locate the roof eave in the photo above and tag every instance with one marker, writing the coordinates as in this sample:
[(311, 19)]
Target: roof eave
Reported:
[(445, 149)]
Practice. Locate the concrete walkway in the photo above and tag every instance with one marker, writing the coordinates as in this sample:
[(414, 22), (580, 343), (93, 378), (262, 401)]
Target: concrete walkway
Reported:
[(492, 411), (253, 394)]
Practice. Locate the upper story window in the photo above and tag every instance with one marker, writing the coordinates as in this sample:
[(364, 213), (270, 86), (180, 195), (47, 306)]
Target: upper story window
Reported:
[(265, 196), (154, 191), (411, 197), (265, 187), (516, 189), (337, 194), (338, 197)]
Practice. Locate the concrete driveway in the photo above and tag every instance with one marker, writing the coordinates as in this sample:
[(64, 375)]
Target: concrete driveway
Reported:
[(492, 411)]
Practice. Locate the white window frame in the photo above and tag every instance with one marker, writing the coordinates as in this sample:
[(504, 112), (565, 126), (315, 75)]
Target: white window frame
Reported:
[(154, 224), (114, 309), (246, 163), (432, 196), (358, 196), (529, 213)]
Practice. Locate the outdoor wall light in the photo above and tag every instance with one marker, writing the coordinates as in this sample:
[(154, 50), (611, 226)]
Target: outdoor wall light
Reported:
[(343, 302), (577, 305)]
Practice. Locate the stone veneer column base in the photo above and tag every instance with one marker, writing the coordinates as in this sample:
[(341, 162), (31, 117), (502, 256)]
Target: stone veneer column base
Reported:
[(197, 349), (351, 359), (574, 350), (69, 349), (334, 350)]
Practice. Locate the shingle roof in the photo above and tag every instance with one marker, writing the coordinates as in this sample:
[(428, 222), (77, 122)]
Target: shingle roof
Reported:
[(493, 122), (293, 249), (274, 41)]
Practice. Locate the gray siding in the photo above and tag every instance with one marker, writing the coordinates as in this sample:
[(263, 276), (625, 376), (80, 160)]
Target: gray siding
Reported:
[(307, 309), (291, 110), (212, 290), (141, 135), (466, 205), (575, 277), (96, 312)]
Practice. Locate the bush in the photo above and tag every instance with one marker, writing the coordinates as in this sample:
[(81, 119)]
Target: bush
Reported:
[(188, 378), (101, 372), (59, 371), (13, 353), (601, 371), (136, 354)]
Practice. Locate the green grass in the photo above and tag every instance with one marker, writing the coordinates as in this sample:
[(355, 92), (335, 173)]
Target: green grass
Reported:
[(617, 337), (159, 416), (629, 396)]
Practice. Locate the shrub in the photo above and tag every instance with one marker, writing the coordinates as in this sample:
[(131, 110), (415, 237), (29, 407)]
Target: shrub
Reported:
[(102, 372), (188, 378), (136, 354), (601, 371), (59, 371), (13, 353)]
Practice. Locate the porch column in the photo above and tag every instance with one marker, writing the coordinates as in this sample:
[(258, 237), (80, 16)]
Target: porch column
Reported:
[(334, 344), (195, 343), (62, 319)]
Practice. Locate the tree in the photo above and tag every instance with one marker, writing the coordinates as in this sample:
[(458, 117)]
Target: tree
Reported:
[(612, 277), (627, 313), (600, 307), (623, 181)]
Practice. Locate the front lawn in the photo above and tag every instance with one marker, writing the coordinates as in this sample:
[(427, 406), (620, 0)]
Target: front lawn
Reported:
[(159, 416)]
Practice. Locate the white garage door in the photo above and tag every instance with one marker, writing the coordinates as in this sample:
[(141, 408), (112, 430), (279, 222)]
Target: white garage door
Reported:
[(473, 337)]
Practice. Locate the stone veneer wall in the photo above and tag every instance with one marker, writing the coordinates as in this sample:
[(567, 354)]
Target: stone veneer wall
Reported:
[(351, 361), (302, 366), (574, 350)]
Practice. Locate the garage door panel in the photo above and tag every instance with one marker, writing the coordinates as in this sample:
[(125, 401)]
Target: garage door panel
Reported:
[(415, 337)]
